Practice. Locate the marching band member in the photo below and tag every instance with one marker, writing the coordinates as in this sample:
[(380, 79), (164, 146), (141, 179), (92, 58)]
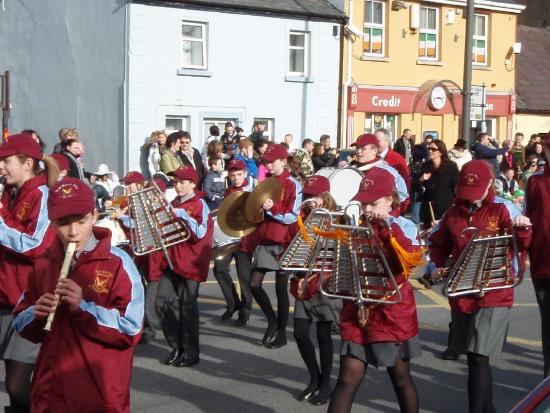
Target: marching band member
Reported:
[(390, 337), (537, 208), (99, 316), (25, 234), (311, 305), (178, 289), (367, 146), (479, 323), (273, 235), (240, 181)]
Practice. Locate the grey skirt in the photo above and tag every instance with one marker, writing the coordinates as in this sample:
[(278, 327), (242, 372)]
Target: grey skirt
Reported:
[(266, 257), (318, 308), (12, 345), (483, 332), (382, 354)]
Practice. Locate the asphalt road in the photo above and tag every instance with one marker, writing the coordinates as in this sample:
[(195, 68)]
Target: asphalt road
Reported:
[(236, 374)]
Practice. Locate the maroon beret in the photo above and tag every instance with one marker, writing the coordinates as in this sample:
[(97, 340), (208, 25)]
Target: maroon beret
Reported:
[(366, 139), (377, 183), (236, 164), (70, 196), (185, 172), (316, 185), (473, 180), (133, 177), (20, 144), (273, 152), (62, 161)]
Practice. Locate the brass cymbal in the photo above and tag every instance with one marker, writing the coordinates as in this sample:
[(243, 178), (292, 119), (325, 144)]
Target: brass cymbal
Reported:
[(269, 188), (231, 217)]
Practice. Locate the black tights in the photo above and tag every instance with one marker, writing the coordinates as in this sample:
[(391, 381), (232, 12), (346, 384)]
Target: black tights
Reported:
[(261, 297), (480, 384), (18, 385), (351, 375), (318, 378)]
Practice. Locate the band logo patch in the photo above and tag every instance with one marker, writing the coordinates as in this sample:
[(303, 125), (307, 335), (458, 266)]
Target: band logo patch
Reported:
[(23, 212), (367, 184), (100, 282), (471, 179), (492, 224)]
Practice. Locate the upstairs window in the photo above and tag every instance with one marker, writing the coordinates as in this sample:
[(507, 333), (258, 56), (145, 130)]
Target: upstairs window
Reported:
[(373, 28), (479, 50), (298, 59), (428, 44), (193, 38)]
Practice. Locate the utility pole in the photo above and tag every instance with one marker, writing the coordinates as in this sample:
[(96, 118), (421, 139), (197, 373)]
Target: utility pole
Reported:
[(467, 83), (5, 103)]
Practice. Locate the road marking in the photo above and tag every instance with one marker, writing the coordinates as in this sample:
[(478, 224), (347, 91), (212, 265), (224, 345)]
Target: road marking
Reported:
[(433, 296)]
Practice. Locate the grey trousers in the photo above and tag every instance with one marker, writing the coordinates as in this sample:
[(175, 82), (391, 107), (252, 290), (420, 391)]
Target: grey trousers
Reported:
[(542, 292), (223, 276), (179, 312)]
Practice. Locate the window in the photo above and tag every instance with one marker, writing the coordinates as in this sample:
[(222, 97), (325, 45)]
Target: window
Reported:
[(479, 51), (176, 123), (429, 33), (298, 48), (375, 121), (219, 122), (269, 130), (193, 45), (373, 28)]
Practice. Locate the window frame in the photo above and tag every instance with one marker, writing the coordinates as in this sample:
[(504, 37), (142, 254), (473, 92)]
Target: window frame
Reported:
[(386, 123), (203, 40), (477, 37), (435, 31), (269, 131), (370, 26), (185, 122), (306, 48), (219, 122)]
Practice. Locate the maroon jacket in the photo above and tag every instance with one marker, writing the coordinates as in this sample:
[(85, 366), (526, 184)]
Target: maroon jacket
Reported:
[(25, 234), (537, 208), (85, 361), (392, 322), (192, 257), (492, 217), (279, 224), (395, 160)]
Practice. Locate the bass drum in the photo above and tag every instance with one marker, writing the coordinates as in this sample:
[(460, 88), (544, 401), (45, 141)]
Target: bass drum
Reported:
[(344, 183), (118, 237), (223, 244)]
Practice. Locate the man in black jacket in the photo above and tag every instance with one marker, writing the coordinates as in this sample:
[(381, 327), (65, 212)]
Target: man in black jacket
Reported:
[(191, 156), (403, 145)]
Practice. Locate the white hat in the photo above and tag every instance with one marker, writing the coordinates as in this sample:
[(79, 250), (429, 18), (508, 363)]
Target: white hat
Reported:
[(102, 170)]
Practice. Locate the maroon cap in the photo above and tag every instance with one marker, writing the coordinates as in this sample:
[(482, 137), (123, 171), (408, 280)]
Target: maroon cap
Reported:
[(160, 183), (185, 172), (236, 164), (316, 185), (20, 144), (473, 180), (366, 139), (62, 161), (70, 196), (273, 152), (376, 183), (133, 177)]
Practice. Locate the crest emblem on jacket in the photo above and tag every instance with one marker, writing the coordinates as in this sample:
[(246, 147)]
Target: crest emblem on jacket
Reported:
[(100, 282)]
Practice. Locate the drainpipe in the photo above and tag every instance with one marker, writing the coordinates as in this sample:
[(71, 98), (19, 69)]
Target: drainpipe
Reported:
[(348, 79)]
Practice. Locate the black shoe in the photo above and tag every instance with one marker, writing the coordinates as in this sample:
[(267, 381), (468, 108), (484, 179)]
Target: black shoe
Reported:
[(186, 362), (449, 354), (319, 399), (228, 314), (175, 355), (269, 334), (426, 282), (277, 342), (307, 394), (242, 321)]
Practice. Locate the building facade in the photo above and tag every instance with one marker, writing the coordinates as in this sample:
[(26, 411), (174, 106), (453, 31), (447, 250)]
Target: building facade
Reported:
[(192, 67), (404, 62)]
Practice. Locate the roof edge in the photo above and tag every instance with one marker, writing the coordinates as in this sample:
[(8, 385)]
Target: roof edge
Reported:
[(484, 4), (214, 6)]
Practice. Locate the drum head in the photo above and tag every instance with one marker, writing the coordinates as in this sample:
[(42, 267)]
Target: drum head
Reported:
[(344, 183)]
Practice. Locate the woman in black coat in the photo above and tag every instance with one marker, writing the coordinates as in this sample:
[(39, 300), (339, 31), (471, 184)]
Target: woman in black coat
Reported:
[(439, 178)]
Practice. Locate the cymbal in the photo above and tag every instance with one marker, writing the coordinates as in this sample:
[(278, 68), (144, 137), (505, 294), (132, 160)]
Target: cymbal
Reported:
[(231, 217), (269, 188)]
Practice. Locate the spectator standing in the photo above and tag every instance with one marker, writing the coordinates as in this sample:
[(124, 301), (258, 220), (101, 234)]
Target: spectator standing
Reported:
[(518, 153), (151, 152), (214, 183), (331, 156), (403, 145), (318, 158), (171, 159), (393, 159), (246, 154), (302, 157), (259, 149), (505, 184), (191, 156), (257, 132), (439, 179), (460, 153), (530, 169), (487, 150), (529, 147), (64, 134), (228, 136), (287, 141), (214, 136), (71, 150), (538, 151)]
